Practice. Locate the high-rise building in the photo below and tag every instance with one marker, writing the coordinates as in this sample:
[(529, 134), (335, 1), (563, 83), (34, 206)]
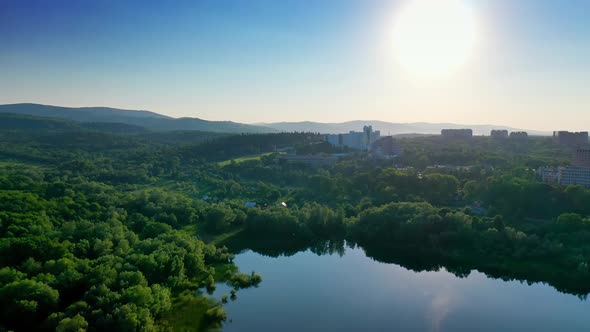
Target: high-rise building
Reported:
[(520, 135), (499, 134), (355, 140), (570, 138), (456, 133), (582, 157), (386, 147)]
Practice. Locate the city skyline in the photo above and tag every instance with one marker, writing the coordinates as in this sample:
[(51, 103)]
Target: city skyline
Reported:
[(264, 61)]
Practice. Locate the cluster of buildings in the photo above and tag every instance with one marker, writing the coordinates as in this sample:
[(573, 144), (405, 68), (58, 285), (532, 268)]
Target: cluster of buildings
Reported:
[(354, 139), (503, 134), (570, 138), (576, 174), (499, 134), (368, 140), (579, 172), (521, 135)]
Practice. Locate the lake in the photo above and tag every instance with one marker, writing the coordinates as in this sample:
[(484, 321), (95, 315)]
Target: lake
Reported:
[(352, 292)]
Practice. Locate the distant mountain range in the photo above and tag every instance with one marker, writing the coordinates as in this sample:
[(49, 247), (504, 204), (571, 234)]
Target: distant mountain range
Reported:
[(145, 119), (135, 121), (388, 128), (11, 121)]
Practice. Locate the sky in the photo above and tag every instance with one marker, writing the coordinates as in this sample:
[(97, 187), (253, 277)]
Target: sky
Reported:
[(294, 60)]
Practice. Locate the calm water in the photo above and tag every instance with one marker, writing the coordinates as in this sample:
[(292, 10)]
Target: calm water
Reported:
[(307, 292)]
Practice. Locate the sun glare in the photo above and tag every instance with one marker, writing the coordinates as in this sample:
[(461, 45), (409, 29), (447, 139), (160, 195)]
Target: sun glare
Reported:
[(433, 38)]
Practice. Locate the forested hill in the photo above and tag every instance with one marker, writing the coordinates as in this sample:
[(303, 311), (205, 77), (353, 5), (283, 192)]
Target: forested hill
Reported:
[(41, 139), (81, 114), (149, 120), (20, 122)]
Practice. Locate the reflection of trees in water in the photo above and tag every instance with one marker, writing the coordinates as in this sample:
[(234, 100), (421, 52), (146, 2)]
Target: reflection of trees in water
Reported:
[(461, 264), (267, 245), (276, 247), (420, 259), (329, 247)]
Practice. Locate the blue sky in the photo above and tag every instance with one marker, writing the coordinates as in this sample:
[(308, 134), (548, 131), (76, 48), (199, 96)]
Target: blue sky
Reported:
[(293, 60)]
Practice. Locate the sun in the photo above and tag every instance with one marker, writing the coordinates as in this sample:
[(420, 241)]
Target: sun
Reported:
[(434, 38)]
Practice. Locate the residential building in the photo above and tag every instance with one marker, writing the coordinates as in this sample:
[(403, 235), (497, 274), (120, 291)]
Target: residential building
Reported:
[(456, 133), (386, 147), (519, 135), (549, 175), (355, 140), (577, 174), (571, 138), (574, 175), (565, 176), (499, 134), (438, 168), (582, 157)]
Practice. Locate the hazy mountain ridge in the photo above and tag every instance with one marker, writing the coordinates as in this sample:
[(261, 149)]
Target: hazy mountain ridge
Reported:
[(102, 116), (146, 119), (80, 114), (389, 128)]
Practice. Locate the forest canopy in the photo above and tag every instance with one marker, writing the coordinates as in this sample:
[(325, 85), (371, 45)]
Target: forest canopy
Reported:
[(109, 229)]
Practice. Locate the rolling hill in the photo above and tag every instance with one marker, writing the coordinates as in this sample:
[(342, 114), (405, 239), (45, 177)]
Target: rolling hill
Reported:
[(104, 117), (145, 119), (25, 122), (44, 131)]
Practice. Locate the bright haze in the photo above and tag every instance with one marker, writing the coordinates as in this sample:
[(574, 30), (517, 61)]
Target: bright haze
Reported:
[(519, 63)]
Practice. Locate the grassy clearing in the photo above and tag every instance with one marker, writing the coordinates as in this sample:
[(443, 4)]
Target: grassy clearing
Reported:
[(188, 313), (242, 159), (218, 239)]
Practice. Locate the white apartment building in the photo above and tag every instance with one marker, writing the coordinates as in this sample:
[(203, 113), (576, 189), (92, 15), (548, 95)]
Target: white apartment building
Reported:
[(574, 175), (565, 176), (355, 140)]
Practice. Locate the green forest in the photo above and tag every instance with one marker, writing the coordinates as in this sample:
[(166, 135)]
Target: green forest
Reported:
[(111, 227)]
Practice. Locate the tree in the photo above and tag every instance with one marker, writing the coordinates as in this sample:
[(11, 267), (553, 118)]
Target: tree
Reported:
[(219, 218), (74, 324), (471, 189), (27, 302), (499, 222), (570, 219), (440, 188)]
